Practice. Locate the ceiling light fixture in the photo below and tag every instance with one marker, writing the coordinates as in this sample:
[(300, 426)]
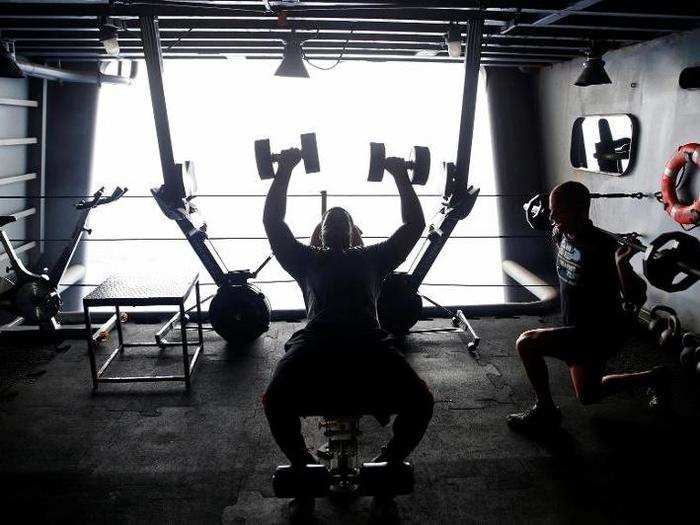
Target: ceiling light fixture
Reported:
[(593, 73), (109, 31), (8, 62), (293, 60), (453, 39)]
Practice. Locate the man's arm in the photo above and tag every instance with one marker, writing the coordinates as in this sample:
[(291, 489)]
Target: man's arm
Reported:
[(285, 247), (633, 287), (400, 244)]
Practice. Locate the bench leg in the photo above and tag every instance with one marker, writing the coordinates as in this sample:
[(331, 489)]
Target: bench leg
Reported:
[(183, 332), (120, 335), (91, 347), (199, 316)]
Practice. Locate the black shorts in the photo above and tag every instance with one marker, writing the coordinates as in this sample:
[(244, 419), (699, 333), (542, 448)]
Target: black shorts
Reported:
[(593, 344), (344, 376)]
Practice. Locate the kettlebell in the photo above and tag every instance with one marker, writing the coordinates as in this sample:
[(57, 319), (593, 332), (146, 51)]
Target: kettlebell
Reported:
[(691, 351), (665, 329)]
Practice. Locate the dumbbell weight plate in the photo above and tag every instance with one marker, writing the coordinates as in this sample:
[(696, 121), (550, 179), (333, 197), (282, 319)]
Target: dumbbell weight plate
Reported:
[(263, 158), (377, 154), (386, 479), (420, 158), (537, 212), (309, 153), (309, 481), (399, 306), (239, 314), (661, 258)]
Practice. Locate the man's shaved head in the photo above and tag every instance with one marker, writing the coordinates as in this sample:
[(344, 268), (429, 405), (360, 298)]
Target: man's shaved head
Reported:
[(572, 195), (336, 229), (570, 203)]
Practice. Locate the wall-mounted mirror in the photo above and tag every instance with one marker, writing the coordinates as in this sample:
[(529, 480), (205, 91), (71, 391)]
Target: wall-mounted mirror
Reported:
[(604, 143), (690, 78)]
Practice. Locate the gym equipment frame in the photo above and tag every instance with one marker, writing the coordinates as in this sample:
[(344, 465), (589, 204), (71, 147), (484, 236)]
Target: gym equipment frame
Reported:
[(117, 292), (239, 312), (35, 298)]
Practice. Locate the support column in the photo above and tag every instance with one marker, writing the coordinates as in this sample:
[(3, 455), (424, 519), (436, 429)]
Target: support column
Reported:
[(437, 239), (150, 38), (472, 62)]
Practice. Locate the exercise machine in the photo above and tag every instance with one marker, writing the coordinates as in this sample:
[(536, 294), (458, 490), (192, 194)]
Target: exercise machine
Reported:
[(239, 312), (34, 298), (400, 305)]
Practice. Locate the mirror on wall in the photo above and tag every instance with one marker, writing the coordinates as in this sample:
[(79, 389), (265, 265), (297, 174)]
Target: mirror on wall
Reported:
[(604, 143), (690, 78)]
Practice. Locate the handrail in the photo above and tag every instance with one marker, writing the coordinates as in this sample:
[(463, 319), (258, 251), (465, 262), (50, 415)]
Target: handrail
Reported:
[(263, 195), (547, 299)]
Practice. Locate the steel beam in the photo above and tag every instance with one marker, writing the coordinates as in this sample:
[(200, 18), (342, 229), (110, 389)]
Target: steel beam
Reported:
[(472, 62), (462, 198), (573, 8), (154, 65)]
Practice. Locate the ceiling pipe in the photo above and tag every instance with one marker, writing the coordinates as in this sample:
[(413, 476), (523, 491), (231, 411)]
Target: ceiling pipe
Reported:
[(83, 77)]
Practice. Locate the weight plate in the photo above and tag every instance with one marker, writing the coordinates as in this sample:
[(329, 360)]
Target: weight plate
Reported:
[(239, 314), (311, 481), (377, 154), (399, 306), (537, 213), (421, 165), (386, 479), (662, 258), (263, 158), (309, 152)]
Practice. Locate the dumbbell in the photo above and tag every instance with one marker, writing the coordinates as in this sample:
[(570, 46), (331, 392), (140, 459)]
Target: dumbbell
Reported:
[(264, 157), (691, 351), (418, 163), (665, 327)]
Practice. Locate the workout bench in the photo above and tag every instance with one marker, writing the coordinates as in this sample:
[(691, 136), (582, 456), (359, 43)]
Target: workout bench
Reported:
[(145, 290)]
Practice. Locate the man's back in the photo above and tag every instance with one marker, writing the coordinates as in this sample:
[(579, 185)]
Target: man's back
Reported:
[(341, 287)]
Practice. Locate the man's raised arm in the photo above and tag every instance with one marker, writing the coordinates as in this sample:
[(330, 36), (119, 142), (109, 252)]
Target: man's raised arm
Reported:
[(285, 247), (405, 238)]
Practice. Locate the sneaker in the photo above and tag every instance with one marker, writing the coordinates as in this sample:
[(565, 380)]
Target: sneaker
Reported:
[(535, 419), (383, 511), (659, 388), (301, 510)]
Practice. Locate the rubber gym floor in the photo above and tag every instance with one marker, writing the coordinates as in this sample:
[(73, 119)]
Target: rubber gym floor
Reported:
[(151, 453)]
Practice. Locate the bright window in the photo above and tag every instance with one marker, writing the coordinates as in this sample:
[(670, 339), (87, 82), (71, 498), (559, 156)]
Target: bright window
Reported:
[(218, 108)]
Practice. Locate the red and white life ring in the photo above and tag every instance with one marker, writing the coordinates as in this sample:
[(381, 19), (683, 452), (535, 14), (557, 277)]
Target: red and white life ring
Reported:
[(681, 213)]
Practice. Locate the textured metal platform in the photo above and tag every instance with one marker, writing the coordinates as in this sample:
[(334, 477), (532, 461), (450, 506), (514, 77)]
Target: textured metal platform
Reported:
[(142, 290)]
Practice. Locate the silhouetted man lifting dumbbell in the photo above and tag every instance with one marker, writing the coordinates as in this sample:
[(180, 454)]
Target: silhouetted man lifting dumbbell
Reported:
[(342, 362)]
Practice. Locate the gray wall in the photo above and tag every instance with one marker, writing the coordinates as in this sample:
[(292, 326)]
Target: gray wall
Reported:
[(70, 134), (14, 123), (668, 117)]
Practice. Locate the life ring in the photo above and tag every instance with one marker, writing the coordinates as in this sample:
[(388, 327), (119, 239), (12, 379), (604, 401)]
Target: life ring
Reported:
[(681, 213)]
